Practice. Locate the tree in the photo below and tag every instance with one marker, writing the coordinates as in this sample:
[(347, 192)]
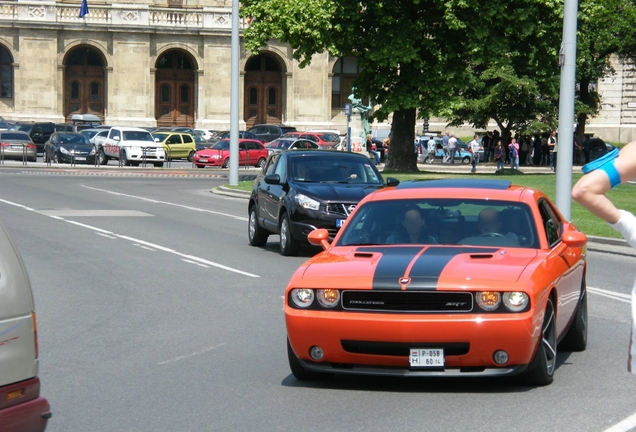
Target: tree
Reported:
[(603, 29), (512, 71), (406, 53)]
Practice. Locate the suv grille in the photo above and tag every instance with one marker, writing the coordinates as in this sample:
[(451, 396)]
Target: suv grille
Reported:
[(340, 208), (407, 301)]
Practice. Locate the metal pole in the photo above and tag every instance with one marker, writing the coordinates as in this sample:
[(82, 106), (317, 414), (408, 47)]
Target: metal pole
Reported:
[(234, 97), (567, 60)]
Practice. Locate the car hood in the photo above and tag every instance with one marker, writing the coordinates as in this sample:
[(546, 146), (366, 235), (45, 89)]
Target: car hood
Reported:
[(340, 192), (210, 152), (417, 267), (77, 147)]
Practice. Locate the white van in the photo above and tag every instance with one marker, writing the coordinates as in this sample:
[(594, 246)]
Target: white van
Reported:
[(21, 407)]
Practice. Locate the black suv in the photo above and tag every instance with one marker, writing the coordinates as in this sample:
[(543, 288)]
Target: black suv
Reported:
[(266, 132), (39, 132), (299, 191)]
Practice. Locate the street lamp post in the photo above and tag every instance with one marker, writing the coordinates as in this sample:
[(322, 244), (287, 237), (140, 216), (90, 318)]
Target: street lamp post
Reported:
[(234, 97)]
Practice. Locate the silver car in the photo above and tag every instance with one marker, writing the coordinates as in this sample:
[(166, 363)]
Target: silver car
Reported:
[(17, 145)]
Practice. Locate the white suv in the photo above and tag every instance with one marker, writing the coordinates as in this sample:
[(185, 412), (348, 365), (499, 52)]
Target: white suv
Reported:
[(131, 146)]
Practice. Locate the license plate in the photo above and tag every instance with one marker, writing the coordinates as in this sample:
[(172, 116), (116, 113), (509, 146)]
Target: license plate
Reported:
[(16, 146), (340, 223), (80, 158), (203, 160), (431, 358)]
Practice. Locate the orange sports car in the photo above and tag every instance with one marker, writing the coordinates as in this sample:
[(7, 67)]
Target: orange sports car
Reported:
[(441, 278)]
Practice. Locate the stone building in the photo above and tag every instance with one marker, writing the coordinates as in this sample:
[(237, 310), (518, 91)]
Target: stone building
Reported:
[(167, 62)]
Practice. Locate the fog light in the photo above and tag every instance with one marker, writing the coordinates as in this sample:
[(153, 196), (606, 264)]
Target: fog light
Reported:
[(316, 353), (500, 357)]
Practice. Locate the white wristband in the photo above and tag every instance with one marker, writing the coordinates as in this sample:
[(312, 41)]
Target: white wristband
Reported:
[(626, 225)]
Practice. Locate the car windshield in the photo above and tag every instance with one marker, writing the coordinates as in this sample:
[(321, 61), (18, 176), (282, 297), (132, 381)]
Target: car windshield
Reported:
[(475, 222), (345, 170), (14, 136), (329, 137), (224, 144), (21, 127), (137, 136), (280, 144), (72, 139), (89, 133), (160, 135)]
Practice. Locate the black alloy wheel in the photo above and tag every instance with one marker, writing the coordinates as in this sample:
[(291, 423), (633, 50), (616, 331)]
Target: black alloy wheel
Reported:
[(541, 370), (256, 235), (289, 246), (576, 337)]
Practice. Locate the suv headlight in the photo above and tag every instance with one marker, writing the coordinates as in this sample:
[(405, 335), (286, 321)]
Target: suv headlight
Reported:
[(515, 301), (302, 297), (305, 202)]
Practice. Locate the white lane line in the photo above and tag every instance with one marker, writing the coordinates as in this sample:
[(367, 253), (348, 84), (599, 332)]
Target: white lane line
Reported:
[(610, 294), (106, 235), (196, 353), (197, 209), (195, 263), (140, 242), (145, 247), (624, 426)]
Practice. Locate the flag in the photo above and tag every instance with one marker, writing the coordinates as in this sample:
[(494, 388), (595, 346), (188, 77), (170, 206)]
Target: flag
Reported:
[(83, 9)]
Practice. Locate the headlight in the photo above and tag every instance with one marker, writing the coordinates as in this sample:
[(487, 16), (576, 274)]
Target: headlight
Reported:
[(515, 301), (92, 152), (303, 297), (305, 202), (488, 300), (328, 298), (63, 150), (217, 156)]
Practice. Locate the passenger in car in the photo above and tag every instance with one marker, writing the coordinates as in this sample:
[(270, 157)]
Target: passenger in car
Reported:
[(412, 229)]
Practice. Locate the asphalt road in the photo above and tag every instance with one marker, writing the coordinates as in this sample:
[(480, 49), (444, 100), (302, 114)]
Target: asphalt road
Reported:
[(154, 314)]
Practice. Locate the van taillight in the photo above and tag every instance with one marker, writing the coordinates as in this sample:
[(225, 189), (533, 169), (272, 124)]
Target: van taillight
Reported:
[(35, 334)]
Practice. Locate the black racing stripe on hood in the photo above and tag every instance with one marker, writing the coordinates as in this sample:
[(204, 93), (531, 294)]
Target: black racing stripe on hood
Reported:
[(426, 270), (392, 265)]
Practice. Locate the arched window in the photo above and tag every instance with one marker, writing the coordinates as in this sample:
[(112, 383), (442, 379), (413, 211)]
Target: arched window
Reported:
[(345, 71), (6, 73)]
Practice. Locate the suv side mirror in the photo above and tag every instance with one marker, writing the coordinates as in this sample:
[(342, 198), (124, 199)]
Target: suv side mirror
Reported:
[(392, 181), (116, 138), (272, 179)]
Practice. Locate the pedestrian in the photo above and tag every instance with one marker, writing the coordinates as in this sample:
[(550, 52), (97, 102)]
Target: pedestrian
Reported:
[(485, 143), (590, 192), (552, 145), (536, 150), (545, 151), (586, 150), (523, 151), (430, 148), (576, 154), (452, 147), (499, 156), (514, 154), (473, 147), (372, 149), (445, 139)]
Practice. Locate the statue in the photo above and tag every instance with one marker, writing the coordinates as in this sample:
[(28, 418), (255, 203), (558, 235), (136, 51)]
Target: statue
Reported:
[(357, 104)]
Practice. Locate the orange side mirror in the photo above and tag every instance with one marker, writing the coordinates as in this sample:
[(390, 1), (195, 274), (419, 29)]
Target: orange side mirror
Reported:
[(574, 239), (319, 237)]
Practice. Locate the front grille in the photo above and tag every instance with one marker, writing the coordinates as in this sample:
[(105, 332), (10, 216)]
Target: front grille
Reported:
[(340, 208), (407, 301), (402, 348)]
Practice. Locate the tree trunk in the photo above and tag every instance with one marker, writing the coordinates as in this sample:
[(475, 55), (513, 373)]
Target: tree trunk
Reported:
[(581, 119), (402, 156)]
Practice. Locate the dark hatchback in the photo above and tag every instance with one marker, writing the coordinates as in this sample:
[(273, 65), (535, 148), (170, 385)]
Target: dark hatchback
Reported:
[(69, 147), (299, 191)]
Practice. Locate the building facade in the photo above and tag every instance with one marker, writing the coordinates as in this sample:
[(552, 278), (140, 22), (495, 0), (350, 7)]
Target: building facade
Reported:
[(167, 62)]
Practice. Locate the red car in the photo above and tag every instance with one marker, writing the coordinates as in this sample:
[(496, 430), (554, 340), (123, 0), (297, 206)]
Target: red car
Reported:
[(324, 140), (251, 153), (441, 278)]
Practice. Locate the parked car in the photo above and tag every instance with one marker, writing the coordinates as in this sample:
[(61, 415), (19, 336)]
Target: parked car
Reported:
[(40, 132), (69, 147), (251, 153), (130, 146), (91, 134), (267, 132), (64, 127), (291, 143), (177, 145), (201, 143), (21, 406), (458, 277), (4, 124), (17, 145), (84, 121), (205, 133), (242, 135), (175, 129), (299, 191), (324, 140), (461, 154)]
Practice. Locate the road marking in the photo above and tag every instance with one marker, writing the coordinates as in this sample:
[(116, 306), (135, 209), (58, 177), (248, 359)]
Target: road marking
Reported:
[(626, 298), (138, 241), (626, 425), (106, 235), (196, 353), (194, 262), (197, 209), (144, 247), (94, 213)]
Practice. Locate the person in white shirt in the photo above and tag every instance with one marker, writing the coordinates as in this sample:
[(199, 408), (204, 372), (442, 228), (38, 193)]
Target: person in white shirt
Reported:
[(590, 192), (430, 148), (474, 149), (452, 147)]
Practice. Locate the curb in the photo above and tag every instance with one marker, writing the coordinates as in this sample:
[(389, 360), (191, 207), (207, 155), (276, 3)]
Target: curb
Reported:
[(597, 244)]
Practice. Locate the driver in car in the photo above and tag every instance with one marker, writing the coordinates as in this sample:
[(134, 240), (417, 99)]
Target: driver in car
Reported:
[(489, 224)]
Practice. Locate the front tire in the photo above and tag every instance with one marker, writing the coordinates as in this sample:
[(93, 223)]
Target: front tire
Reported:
[(289, 246), (191, 156), (56, 158), (123, 159), (226, 163), (102, 159), (466, 160), (541, 370), (256, 235), (260, 163), (576, 337)]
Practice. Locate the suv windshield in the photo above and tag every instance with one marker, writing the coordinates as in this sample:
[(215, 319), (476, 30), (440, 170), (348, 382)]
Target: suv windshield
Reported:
[(137, 136), (346, 170), (476, 222), (22, 127)]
